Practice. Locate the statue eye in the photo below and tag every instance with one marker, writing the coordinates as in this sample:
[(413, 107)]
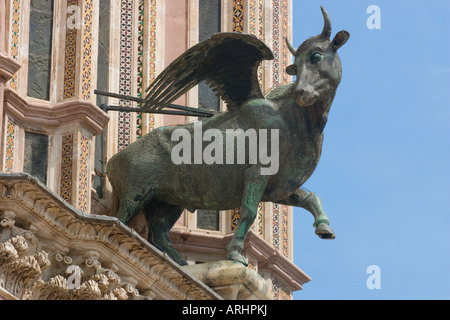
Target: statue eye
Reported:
[(316, 57)]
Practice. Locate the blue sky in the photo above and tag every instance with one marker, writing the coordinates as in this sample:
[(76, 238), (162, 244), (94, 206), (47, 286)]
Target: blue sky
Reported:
[(384, 173)]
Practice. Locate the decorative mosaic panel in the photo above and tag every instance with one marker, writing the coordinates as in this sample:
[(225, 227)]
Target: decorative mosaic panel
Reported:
[(125, 76), (256, 20), (258, 225), (238, 26), (276, 226), (260, 35), (152, 71), (67, 168), (238, 15), (275, 289), (261, 18), (70, 55), (279, 293), (280, 27), (284, 33), (9, 150), (140, 64), (140, 61), (280, 231), (235, 218), (284, 230), (252, 17), (260, 220), (128, 31), (276, 42), (15, 28), (87, 50), (83, 182)]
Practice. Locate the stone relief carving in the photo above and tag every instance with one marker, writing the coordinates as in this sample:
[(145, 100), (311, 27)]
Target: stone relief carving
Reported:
[(50, 251), (30, 272)]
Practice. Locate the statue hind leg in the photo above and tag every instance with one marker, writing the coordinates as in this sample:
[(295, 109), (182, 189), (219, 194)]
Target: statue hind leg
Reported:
[(161, 217), (127, 210), (312, 203), (129, 204)]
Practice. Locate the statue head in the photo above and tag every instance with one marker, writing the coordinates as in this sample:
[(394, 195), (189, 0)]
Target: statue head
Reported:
[(317, 65)]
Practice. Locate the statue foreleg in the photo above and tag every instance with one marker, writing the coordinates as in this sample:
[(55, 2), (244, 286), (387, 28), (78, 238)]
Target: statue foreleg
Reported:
[(312, 203), (253, 190)]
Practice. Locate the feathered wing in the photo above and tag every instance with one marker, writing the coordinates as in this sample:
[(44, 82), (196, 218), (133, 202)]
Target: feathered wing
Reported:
[(228, 62)]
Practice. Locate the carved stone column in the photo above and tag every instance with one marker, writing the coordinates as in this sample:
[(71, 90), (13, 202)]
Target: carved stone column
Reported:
[(69, 120), (8, 67)]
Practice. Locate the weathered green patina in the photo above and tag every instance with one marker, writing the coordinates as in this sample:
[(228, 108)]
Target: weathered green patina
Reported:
[(145, 178)]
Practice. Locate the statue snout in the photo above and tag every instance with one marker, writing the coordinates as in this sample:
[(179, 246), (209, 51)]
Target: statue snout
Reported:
[(306, 96)]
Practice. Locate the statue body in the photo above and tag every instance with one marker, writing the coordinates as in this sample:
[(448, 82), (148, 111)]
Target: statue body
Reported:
[(145, 178)]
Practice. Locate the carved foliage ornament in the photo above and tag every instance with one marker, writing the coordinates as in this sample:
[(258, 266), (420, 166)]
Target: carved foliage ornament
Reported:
[(50, 251)]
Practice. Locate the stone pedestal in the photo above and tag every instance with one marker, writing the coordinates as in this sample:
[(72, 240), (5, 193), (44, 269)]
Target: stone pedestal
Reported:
[(231, 280)]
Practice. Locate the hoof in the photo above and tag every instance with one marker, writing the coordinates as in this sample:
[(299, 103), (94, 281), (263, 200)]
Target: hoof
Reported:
[(234, 256), (324, 231), (181, 262), (175, 256)]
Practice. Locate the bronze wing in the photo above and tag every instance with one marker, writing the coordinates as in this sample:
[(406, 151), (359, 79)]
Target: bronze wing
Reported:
[(228, 62)]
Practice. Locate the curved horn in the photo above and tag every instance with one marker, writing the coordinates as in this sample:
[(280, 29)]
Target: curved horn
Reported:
[(291, 47), (326, 23)]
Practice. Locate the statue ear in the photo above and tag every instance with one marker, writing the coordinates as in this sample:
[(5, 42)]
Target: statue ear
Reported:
[(291, 70), (340, 39)]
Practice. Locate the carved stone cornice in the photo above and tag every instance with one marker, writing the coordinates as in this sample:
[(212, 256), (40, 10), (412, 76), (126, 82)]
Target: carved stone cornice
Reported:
[(274, 261), (54, 115), (49, 250), (8, 66)]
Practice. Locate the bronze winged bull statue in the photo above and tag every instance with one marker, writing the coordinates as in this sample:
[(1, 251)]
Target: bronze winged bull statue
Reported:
[(145, 178)]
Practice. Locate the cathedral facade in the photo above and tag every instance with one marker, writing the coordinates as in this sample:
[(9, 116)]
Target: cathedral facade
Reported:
[(56, 140)]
